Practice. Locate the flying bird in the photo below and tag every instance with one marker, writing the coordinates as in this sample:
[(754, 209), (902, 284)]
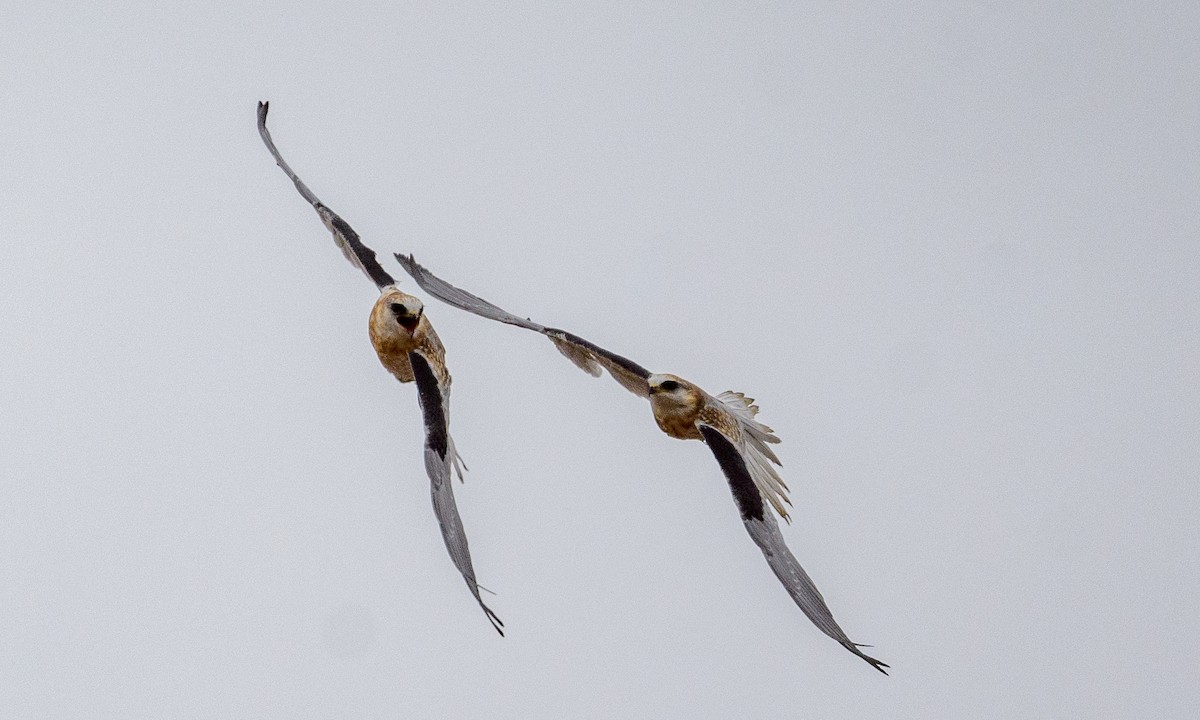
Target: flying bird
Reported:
[(410, 350), (726, 423)]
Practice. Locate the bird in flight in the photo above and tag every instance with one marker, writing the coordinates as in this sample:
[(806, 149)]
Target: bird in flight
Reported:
[(682, 410), (409, 349)]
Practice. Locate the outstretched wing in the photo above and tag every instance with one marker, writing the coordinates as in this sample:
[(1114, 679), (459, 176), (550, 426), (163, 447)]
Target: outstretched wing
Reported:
[(587, 356), (359, 255), (439, 455), (764, 530)]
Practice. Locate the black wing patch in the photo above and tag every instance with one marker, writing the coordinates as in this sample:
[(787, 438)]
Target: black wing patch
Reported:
[(622, 362), (347, 239), (745, 493), (365, 255), (429, 393)]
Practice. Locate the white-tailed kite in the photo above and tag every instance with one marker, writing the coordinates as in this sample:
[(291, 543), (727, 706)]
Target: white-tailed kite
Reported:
[(682, 410), (410, 349)]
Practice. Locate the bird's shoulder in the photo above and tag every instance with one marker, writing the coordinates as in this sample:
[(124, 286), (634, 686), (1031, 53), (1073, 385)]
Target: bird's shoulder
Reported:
[(717, 416), (431, 348), (752, 440)]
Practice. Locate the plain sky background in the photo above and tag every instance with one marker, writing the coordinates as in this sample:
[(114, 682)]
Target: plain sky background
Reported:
[(952, 249)]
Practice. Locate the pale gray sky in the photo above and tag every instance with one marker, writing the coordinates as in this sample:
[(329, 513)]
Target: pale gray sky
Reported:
[(952, 250)]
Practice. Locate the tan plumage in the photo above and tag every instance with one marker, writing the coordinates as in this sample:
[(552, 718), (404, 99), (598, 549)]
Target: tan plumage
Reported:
[(393, 342), (725, 423), (410, 350)]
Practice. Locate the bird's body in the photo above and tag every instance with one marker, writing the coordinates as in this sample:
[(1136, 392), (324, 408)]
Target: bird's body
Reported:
[(725, 423), (393, 341), (409, 348)]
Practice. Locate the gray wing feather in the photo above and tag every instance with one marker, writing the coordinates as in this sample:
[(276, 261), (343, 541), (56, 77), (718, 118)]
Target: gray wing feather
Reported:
[(799, 585), (460, 298), (439, 457), (764, 530), (347, 240), (585, 355), (287, 169), (441, 489)]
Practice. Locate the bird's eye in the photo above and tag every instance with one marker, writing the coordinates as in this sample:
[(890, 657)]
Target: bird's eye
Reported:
[(668, 385), (399, 309)]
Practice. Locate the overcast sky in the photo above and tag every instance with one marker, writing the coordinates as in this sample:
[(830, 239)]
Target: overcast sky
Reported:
[(953, 250)]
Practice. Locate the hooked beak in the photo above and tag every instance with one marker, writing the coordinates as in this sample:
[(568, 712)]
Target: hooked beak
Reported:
[(405, 317), (409, 322)]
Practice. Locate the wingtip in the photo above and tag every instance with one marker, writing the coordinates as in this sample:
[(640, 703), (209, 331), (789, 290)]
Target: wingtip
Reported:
[(409, 263), (493, 619), (877, 664)]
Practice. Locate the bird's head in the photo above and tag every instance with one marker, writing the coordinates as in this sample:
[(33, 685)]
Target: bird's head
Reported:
[(671, 392), (405, 309)]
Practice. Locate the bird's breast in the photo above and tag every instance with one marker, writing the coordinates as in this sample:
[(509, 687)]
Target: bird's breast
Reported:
[(392, 344), (680, 426), (396, 361)]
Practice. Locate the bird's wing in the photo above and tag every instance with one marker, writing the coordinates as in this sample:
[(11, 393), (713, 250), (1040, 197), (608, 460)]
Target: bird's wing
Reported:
[(764, 530), (753, 447), (439, 455), (586, 355), (359, 255)]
